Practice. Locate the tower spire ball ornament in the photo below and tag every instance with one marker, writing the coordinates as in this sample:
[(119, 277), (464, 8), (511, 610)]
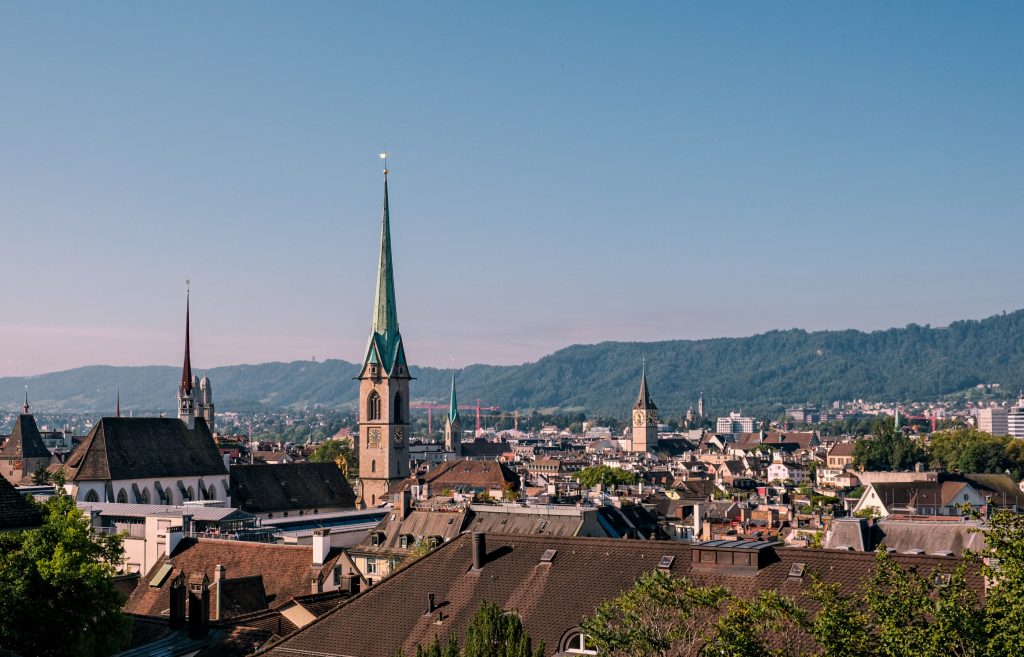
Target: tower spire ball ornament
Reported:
[(384, 156)]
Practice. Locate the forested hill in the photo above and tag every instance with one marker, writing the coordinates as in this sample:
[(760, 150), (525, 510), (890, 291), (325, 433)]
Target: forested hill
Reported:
[(775, 368)]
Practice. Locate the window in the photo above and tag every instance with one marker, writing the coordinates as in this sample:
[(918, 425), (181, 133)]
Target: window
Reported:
[(191, 493), (212, 493), (373, 406), (168, 499), (122, 496), (398, 409), (579, 644), (91, 496), (145, 496), (373, 465), (371, 566)]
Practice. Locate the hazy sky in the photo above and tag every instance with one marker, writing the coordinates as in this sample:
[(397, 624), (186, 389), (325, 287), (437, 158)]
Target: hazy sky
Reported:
[(561, 173)]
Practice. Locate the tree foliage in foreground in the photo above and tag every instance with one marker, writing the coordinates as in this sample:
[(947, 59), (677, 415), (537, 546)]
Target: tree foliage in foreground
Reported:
[(887, 448), (57, 595), (491, 633)]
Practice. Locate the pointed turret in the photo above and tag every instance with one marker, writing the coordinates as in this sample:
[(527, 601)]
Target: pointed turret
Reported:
[(644, 401), (25, 407)]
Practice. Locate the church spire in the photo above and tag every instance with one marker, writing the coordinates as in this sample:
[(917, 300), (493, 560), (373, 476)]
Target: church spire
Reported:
[(453, 404), (25, 407), (385, 345), (644, 400), (186, 369), (385, 310), (117, 412)]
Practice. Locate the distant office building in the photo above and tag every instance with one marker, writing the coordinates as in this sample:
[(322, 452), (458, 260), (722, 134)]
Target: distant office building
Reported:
[(735, 423), (1015, 420), (804, 414), (993, 421)]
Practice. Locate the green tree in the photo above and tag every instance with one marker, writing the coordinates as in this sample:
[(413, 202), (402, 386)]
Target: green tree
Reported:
[(57, 595), (340, 452), (41, 477), (605, 475), (660, 616), (970, 450), (887, 449), (493, 633), (842, 627), (1004, 565), (770, 625)]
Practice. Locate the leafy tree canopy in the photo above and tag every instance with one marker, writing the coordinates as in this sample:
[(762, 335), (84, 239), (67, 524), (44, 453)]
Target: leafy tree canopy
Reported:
[(57, 595), (887, 448), (605, 475)]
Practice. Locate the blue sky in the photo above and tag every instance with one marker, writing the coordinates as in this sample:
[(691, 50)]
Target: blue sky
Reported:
[(562, 173)]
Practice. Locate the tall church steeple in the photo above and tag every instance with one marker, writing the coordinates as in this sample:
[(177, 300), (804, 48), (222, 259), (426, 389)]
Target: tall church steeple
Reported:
[(186, 401), (645, 418), (383, 384), (453, 424)]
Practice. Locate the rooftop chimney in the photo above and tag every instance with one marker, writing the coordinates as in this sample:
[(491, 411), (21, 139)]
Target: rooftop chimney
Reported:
[(219, 573), (173, 536), (479, 550), (404, 504), (430, 604), (321, 545)]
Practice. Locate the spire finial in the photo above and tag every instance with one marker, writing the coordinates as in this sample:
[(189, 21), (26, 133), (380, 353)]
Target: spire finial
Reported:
[(384, 156), (26, 400)]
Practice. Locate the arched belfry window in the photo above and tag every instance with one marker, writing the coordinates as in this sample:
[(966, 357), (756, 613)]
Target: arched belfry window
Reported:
[(145, 496), (122, 496), (91, 496), (373, 406), (399, 414)]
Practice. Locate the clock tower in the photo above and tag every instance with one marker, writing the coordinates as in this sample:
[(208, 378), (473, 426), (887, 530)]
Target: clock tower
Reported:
[(383, 386), (645, 419)]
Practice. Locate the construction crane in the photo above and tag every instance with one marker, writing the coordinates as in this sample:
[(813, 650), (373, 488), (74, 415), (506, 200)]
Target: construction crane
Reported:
[(462, 407)]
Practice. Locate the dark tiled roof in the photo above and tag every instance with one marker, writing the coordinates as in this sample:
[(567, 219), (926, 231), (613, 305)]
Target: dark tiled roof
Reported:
[(15, 511), (142, 448), (25, 441), (550, 598), (286, 486), (286, 571), (464, 475), (484, 449), (999, 488)]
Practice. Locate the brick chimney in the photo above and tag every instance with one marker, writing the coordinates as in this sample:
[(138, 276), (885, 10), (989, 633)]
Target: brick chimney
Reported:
[(404, 504)]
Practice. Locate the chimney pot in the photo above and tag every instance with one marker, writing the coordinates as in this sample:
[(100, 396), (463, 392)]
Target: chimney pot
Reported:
[(479, 550)]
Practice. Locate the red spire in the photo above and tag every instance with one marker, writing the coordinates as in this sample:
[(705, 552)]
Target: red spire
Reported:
[(186, 370)]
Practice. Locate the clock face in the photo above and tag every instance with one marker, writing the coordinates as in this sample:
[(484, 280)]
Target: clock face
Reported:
[(638, 417), (652, 417), (399, 436), (373, 438)]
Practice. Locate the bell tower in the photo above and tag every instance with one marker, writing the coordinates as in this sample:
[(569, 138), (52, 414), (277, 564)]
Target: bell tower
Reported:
[(383, 385), (645, 419)]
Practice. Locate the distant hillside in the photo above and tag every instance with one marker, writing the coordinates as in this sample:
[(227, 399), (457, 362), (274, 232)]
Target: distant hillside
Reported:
[(762, 371)]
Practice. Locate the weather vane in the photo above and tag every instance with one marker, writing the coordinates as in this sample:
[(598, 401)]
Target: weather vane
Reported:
[(384, 156), (188, 286)]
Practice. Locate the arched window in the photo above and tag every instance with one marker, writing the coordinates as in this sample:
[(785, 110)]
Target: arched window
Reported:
[(145, 496), (191, 494), (399, 416), (212, 493), (122, 496), (373, 465), (373, 406), (168, 499), (91, 496), (579, 644)]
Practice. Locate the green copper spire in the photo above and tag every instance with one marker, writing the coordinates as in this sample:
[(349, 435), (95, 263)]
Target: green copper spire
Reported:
[(385, 311), (453, 405), (385, 340)]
